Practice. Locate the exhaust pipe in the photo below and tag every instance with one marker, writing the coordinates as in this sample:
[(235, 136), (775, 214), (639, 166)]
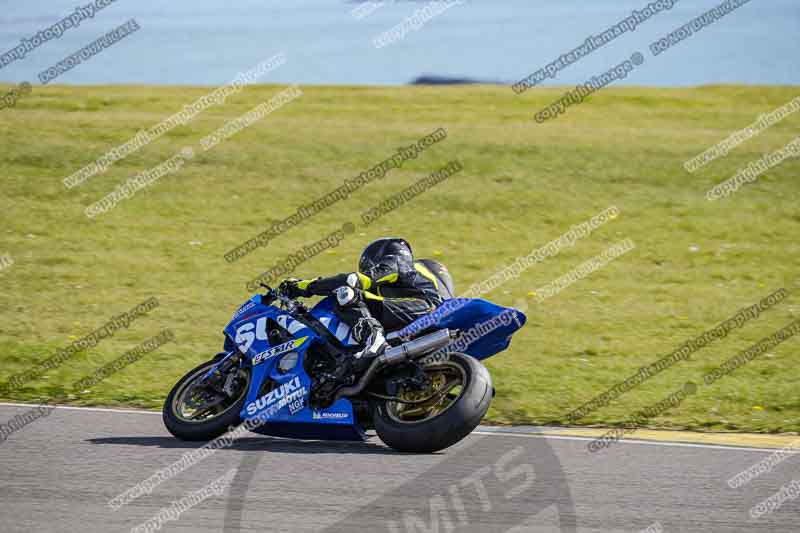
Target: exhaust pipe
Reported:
[(408, 350), (396, 355)]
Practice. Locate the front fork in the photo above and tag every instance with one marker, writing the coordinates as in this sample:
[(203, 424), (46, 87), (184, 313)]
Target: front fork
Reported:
[(219, 378)]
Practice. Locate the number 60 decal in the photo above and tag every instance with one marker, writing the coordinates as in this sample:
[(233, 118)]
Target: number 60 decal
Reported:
[(245, 336)]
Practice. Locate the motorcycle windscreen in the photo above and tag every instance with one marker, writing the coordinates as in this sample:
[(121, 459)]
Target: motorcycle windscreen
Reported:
[(486, 328)]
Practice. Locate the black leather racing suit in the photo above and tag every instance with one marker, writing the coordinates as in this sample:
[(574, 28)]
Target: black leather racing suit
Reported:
[(393, 295)]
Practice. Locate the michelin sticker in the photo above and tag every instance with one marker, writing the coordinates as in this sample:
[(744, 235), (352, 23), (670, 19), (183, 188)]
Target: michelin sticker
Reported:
[(316, 415)]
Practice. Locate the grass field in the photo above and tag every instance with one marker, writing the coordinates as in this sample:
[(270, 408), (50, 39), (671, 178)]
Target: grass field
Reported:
[(523, 184)]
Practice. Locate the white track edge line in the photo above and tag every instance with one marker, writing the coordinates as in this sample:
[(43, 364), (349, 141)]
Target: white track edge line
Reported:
[(477, 432), (630, 441), (80, 408)]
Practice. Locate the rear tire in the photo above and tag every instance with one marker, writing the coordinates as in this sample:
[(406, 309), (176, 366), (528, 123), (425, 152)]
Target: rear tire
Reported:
[(450, 426), (202, 430)]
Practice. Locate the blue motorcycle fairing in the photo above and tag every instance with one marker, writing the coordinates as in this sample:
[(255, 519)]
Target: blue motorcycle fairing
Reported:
[(284, 409), (486, 327), (324, 312)]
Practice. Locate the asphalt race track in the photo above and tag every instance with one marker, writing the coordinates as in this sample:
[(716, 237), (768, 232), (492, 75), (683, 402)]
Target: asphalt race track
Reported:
[(59, 473)]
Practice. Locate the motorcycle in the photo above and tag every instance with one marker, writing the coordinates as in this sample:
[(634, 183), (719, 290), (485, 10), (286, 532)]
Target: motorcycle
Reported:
[(286, 371)]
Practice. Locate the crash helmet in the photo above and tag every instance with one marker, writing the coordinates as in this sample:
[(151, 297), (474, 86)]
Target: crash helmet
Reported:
[(386, 251)]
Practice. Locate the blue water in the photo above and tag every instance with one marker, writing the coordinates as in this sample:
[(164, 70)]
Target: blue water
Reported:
[(207, 42)]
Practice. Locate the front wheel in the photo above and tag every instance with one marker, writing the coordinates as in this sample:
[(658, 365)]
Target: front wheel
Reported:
[(197, 410), (425, 422)]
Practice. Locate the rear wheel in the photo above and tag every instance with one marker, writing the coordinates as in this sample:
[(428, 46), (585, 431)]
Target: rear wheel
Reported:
[(428, 421), (196, 410)]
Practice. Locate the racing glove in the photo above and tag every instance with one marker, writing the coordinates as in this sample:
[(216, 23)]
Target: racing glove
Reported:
[(294, 288)]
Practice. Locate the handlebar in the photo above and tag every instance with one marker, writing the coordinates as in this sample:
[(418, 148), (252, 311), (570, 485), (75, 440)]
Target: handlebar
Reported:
[(277, 294)]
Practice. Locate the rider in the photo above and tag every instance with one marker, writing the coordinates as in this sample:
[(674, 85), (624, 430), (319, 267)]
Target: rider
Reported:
[(390, 290)]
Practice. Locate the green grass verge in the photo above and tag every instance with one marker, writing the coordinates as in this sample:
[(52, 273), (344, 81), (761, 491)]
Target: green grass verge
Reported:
[(523, 184)]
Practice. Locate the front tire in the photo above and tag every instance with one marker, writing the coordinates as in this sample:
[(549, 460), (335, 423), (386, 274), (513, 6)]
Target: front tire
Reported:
[(210, 427), (445, 428)]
